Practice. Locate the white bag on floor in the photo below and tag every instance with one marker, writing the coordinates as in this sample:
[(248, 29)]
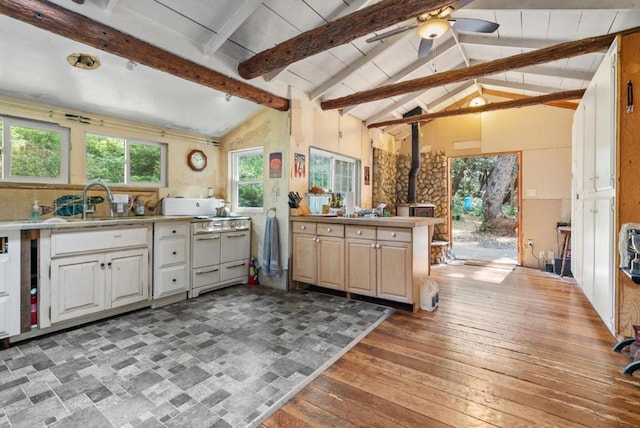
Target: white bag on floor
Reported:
[(429, 295)]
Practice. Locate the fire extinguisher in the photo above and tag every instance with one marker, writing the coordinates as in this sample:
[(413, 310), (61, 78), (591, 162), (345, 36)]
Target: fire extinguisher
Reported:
[(34, 306), (253, 272)]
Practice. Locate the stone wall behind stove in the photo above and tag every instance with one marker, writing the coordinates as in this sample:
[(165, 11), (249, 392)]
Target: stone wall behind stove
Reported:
[(391, 183)]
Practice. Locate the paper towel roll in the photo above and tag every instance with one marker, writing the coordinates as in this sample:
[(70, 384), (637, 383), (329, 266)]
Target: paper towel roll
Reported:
[(349, 203)]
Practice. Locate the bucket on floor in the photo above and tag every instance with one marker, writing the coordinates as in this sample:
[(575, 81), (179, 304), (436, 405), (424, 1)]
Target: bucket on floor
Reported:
[(429, 295)]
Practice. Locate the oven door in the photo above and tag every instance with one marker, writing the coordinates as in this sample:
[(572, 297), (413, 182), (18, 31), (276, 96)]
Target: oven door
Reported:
[(205, 249)]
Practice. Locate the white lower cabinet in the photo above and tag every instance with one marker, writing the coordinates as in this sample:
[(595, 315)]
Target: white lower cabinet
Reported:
[(99, 278), (9, 283), (170, 259)]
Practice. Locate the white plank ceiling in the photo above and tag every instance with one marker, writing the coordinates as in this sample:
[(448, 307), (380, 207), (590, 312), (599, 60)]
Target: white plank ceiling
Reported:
[(220, 34)]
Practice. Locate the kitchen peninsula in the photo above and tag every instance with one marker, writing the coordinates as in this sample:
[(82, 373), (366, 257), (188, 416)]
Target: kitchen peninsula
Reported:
[(382, 257)]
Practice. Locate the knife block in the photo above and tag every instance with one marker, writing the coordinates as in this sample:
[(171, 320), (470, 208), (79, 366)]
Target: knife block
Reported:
[(303, 208)]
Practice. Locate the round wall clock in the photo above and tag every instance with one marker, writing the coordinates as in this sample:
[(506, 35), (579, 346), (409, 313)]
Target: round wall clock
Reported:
[(197, 160)]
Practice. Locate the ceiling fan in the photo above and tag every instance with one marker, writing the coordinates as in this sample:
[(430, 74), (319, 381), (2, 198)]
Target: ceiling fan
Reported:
[(432, 25)]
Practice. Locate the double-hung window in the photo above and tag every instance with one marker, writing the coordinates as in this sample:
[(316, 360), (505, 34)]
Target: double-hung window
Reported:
[(247, 176), (334, 172), (125, 161), (33, 152)]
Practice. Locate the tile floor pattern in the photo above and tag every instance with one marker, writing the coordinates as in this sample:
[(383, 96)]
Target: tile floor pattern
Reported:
[(227, 358)]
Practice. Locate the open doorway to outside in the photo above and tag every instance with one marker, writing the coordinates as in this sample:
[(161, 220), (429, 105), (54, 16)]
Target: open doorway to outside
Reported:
[(485, 208)]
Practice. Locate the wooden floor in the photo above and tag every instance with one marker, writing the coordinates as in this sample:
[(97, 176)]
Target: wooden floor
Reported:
[(505, 348)]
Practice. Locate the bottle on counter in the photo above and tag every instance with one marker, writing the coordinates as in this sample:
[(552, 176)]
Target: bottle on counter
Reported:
[(35, 211)]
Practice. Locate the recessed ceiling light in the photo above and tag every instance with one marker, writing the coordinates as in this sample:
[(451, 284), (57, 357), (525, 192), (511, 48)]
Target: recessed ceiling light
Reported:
[(86, 61), (478, 101)]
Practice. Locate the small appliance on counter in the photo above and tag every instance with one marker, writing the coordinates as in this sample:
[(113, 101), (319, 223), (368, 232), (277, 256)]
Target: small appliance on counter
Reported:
[(629, 250), (191, 206), (121, 204)]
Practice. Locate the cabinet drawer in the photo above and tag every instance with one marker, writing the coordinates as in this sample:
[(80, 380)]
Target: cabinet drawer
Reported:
[(336, 230), (171, 251), (394, 234), (301, 227), (170, 230), (237, 269), (205, 276), (361, 232), (173, 279), (96, 240)]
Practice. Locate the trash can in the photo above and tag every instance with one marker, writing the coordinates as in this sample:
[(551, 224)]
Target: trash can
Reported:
[(429, 295), (467, 203)]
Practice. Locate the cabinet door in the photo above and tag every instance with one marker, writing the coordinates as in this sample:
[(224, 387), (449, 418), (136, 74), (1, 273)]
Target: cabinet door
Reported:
[(394, 271), (588, 247), (129, 276), (361, 266), (605, 138), (604, 250), (589, 139), (304, 258), (330, 262), (171, 252), (77, 286)]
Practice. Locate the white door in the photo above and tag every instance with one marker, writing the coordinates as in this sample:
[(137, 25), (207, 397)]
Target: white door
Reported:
[(604, 250), (129, 276)]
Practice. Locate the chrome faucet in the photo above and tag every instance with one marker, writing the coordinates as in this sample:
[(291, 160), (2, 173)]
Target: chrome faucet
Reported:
[(85, 206)]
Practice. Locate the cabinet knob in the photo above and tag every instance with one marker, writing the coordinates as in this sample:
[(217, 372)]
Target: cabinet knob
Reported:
[(173, 231), (109, 264), (373, 245), (359, 232), (377, 245), (303, 227), (393, 234), (102, 265), (174, 253), (174, 280), (328, 229)]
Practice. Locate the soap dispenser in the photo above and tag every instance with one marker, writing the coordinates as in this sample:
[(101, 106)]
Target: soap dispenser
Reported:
[(35, 211)]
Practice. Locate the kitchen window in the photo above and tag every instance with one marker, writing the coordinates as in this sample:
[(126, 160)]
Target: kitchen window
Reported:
[(334, 172), (33, 152), (125, 161), (247, 175)]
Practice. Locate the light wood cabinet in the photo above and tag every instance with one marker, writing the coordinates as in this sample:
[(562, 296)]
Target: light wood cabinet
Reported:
[(170, 259), (379, 268), (91, 276), (319, 254)]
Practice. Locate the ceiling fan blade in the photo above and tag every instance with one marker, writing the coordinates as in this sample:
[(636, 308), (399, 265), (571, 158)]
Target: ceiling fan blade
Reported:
[(391, 33), (425, 47), (474, 25)]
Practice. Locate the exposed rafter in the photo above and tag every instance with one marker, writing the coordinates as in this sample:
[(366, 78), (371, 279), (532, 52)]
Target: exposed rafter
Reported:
[(511, 96), (375, 17), (74, 26), (345, 10), (529, 101), (516, 86), (563, 50), (242, 10)]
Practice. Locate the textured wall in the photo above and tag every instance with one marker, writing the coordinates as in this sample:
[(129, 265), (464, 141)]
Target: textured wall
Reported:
[(391, 183)]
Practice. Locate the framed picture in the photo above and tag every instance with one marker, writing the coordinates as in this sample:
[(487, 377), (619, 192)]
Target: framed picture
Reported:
[(275, 165), (367, 176), (299, 165)]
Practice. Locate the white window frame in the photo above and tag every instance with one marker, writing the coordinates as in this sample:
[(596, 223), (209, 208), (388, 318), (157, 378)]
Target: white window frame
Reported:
[(334, 157), (233, 169), (5, 148), (127, 160)]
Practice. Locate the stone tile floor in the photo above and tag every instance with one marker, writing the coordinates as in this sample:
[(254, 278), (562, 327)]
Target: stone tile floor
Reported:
[(228, 358)]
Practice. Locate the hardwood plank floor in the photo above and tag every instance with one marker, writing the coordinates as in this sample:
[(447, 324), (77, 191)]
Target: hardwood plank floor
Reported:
[(505, 348)]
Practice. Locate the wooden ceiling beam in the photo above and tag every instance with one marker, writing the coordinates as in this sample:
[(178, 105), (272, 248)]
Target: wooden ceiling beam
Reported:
[(61, 21), (529, 101), (552, 53), (510, 95), (343, 30)]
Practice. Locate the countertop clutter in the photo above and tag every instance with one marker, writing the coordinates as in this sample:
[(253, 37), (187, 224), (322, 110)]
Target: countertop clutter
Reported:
[(372, 221)]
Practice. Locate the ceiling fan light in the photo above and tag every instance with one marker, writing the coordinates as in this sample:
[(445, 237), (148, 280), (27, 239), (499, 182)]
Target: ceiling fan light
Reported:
[(433, 28), (477, 101)]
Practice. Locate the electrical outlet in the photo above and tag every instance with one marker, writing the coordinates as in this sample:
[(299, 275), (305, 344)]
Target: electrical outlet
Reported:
[(210, 192), (541, 255), (530, 243)]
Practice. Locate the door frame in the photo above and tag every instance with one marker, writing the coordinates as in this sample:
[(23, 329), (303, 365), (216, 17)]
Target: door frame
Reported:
[(518, 154)]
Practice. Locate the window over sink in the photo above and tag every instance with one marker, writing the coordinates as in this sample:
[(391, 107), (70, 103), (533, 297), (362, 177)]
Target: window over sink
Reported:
[(33, 151), (125, 161)]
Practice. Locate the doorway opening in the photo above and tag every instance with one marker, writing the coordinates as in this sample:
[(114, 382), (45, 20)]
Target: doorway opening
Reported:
[(485, 201)]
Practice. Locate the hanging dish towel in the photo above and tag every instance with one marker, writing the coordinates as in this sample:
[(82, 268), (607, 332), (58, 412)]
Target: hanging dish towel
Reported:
[(271, 248)]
